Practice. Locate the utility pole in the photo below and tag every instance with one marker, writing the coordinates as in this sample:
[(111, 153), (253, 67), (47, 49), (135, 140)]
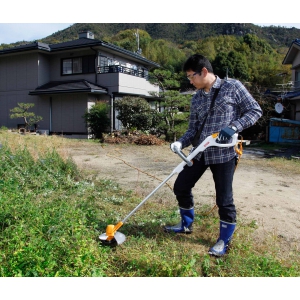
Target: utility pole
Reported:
[(137, 36)]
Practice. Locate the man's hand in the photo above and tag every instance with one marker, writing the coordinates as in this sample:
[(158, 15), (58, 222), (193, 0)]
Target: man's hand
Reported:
[(226, 134), (174, 145)]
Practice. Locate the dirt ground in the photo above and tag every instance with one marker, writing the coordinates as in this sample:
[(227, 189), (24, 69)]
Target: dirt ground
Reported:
[(270, 199)]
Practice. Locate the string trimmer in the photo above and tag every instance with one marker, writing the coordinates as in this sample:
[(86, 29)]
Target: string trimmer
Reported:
[(112, 236)]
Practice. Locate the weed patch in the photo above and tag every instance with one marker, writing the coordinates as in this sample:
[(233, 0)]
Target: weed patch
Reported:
[(51, 217)]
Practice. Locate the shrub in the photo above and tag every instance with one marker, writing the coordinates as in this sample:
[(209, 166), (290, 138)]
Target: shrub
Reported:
[(134, 137), (97, 119), (135, 112), (22, 111)]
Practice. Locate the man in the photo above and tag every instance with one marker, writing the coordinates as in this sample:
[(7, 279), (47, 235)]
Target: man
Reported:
[(232, 110)]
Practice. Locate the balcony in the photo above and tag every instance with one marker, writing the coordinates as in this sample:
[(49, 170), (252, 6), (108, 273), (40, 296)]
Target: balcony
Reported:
[(290, 90), (126, 80), (142, 73), (295, 85)]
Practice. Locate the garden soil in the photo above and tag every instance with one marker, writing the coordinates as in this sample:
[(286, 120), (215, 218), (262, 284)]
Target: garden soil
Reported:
[(268, 199)]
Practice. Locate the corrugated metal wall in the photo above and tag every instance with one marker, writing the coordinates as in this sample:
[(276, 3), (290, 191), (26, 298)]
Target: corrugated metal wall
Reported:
[(284, 131)]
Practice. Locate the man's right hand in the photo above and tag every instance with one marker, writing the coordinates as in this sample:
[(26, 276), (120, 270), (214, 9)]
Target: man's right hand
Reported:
[(174, 145)]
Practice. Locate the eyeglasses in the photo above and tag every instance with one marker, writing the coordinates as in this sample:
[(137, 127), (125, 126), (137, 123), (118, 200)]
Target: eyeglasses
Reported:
[(190, 77)]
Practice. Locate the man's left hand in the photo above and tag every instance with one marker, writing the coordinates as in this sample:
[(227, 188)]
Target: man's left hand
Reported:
[(226, 134)]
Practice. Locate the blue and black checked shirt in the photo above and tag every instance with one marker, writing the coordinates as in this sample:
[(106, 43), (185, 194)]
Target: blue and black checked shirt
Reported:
[(234, 105)]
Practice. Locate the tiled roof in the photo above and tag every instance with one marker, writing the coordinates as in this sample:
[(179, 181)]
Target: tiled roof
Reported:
[(27, 47), (82, 42), (71, 86), (75, 44), (85, 42)]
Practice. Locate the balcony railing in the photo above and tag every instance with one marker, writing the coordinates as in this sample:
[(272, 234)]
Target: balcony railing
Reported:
[(290, 86), (296, 85), (121, 69)]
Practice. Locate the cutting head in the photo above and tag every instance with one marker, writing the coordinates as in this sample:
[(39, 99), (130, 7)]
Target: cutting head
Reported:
[(112, 236), (118, 239)]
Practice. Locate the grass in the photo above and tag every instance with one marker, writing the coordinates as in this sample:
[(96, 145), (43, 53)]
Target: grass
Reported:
[(51, 217)]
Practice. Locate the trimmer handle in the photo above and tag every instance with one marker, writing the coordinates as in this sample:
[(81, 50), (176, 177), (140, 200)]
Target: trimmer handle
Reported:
[(183, 156), (208, 142)]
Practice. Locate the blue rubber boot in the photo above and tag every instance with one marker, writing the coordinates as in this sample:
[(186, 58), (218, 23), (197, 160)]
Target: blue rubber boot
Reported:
[(226, 233), (186, 223)]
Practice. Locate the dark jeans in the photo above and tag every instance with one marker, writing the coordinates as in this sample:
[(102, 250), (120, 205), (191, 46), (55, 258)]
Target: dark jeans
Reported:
[(223, 177)]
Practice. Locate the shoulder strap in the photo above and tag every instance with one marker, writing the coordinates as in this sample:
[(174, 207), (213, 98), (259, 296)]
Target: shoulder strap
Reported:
[(212, 104), (197, 136)]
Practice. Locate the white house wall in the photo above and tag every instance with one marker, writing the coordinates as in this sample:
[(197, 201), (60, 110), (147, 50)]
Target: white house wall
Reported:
[(124, 83), (135, 85)]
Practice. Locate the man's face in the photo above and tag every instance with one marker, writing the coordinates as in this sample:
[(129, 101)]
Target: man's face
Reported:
[(196, 79)]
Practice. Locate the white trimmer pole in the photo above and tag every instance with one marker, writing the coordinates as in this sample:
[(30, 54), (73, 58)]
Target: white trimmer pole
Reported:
[(156, 189)]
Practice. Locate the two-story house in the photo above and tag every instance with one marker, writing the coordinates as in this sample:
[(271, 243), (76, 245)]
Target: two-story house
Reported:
[(286, 127), (63, 80), (293, 58)]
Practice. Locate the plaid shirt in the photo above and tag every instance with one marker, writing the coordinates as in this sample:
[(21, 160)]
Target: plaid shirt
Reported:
[(234, 105)]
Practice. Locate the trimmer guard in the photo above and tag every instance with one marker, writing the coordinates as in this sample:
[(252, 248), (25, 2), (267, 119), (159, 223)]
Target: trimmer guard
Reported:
[(118, 237)]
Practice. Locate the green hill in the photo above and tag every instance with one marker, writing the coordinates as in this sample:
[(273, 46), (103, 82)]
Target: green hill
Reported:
[(178, 33)]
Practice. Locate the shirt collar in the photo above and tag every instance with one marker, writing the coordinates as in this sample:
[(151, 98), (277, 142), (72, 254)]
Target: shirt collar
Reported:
[(216, 85)]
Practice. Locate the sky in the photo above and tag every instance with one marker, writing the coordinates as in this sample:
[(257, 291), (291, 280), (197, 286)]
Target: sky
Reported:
[(15, 32)]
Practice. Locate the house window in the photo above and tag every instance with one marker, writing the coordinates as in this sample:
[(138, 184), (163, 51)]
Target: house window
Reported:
[(78, 65), (67, 66), (104, 61)]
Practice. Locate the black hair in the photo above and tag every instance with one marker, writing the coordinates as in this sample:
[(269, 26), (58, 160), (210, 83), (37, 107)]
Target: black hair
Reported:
[(196, 63)]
